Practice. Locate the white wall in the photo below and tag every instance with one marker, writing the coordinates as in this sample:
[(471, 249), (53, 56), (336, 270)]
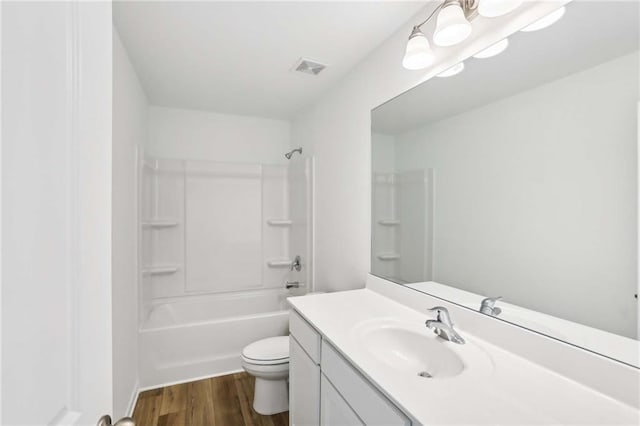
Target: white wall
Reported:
[(203, 135), (337, 131), (541, 212), (129, 135)]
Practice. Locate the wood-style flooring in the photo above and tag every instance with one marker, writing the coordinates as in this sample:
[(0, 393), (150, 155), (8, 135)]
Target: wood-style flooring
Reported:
[(219, 401)]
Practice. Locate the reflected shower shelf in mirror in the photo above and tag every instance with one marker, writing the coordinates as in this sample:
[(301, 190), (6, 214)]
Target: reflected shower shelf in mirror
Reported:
[(160, 270), (159, 223), (279, 263), (389, 222), (279, 222), (389, 256)]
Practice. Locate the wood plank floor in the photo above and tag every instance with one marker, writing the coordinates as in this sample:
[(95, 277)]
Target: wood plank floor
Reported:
[(219, 401)]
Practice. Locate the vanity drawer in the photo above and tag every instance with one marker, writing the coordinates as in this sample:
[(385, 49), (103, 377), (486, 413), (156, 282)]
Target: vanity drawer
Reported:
[(306, 336), (367, 402)]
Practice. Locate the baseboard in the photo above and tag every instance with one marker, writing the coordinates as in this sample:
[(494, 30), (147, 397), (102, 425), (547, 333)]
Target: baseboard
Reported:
[(134, 398), (192, 379)]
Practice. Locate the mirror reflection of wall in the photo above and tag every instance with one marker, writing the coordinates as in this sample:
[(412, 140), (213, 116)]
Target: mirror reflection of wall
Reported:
[(530, 177)]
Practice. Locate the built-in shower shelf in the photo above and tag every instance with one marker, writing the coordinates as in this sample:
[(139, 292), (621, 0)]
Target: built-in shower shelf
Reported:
[(280, 263), (161, 270), (389, 222), (389, 256), (279, 222), (159, 223)]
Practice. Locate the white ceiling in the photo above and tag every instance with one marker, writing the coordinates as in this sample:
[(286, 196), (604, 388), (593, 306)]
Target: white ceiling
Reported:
[(590, 33), (235, 57)]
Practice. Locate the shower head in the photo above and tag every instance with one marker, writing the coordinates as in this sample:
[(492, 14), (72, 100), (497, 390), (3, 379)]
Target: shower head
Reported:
[(290, 153)]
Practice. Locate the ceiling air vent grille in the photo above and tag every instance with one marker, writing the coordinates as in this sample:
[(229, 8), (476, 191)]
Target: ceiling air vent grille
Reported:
[(308, 66)]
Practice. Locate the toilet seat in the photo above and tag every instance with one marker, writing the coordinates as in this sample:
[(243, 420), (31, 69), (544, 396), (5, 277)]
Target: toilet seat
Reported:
[(270, 351)]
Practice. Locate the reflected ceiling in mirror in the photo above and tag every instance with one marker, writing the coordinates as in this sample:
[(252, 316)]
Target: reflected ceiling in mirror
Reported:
[(517, 179)]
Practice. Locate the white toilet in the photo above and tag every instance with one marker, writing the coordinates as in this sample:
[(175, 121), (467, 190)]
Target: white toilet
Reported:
[(268, 361)]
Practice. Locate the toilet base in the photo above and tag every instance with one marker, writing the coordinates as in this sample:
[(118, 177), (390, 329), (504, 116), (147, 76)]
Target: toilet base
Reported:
[(271, 396)]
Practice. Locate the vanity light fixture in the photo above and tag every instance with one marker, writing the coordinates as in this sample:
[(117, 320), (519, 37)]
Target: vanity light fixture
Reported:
[(493, 50), (453, 26), (546, 21), (456, 69), (418, 54)]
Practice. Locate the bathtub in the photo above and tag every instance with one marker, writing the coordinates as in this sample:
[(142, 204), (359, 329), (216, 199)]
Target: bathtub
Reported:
[(202, 336)]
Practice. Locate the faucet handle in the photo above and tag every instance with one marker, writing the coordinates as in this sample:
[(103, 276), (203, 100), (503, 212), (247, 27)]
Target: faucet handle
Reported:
[(296, 263), (490, 301), (442, 314)]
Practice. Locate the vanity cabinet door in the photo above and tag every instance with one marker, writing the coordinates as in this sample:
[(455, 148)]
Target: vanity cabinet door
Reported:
[(304, 387), (334, 410), (365, 400)]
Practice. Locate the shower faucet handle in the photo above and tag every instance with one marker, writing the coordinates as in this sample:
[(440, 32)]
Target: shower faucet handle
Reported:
[(296, 264)]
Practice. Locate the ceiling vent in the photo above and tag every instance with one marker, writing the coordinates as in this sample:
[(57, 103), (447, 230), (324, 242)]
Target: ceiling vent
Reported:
[(308, 66)]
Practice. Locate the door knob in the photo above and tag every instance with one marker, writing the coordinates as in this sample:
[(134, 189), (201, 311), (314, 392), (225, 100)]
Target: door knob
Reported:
[(106, 421)]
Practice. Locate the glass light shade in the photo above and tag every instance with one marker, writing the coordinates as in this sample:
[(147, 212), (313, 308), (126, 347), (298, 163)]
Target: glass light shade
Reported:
[(456, 69), (548, 20), (493, 50), (493, 8), (418, 54), (452, 26)]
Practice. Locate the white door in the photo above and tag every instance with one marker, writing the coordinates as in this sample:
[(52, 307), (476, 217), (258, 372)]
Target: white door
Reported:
[(56, 212)]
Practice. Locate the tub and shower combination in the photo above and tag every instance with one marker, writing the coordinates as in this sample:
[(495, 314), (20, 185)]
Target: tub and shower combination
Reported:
[(213, 273), (182, 340)]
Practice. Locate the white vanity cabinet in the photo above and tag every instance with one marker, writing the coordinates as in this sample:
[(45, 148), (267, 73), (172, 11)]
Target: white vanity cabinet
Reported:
[(304, 373), (325, 389)]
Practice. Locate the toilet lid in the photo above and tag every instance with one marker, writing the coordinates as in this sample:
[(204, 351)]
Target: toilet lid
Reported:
[(274, 350)]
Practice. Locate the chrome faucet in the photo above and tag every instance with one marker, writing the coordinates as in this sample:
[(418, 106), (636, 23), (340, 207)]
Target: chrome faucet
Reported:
[(292, 284), (487, 306), (443, 326)]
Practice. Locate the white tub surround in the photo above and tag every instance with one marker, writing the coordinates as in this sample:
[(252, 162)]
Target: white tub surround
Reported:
[(497, 386), (213, 274)]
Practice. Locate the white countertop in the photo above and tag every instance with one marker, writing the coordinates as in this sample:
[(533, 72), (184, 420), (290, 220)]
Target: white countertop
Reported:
[(514, 391)]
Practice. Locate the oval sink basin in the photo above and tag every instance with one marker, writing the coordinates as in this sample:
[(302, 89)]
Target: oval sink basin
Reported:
[(413, 352)]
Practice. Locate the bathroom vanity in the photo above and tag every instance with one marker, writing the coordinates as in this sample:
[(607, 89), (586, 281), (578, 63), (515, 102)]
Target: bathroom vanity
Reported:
[(366, 357), (327, 389)]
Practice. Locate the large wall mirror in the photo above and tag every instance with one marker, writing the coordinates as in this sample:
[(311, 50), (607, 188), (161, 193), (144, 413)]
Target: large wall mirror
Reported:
[(517, 179)]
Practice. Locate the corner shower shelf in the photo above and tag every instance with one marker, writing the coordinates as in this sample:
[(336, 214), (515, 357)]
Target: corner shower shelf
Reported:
[(160, 270), (159, 223), (389, 256), (279, 222), (280, 263), (389, 222)]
